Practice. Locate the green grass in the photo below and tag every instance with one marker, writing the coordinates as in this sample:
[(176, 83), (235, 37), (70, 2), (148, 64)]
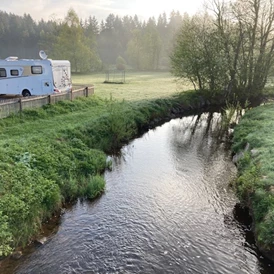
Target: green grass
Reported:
[(255, 184), (138, 85)]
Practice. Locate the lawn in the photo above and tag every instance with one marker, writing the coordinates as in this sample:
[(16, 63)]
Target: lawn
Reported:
[(137, 86)]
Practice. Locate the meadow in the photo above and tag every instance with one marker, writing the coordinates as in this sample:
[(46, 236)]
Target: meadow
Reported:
[(137, 86)]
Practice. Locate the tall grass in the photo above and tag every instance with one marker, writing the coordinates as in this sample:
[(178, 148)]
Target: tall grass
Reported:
[(230, 116)]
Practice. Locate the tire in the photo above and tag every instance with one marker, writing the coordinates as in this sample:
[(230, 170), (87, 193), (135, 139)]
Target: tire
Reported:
[(26, 93)]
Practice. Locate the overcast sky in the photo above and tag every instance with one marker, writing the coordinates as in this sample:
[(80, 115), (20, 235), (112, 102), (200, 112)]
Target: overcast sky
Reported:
[(57, 9)]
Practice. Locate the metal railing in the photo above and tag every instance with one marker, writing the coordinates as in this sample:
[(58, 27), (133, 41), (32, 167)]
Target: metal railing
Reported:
[(17, 105)]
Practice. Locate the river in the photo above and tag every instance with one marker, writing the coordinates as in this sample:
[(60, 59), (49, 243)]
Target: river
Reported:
[(167, 208)]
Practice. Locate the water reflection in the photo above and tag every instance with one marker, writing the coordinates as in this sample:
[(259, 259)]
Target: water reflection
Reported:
[(167, 209)]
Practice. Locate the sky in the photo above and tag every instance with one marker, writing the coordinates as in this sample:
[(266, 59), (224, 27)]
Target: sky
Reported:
[(57, 9)]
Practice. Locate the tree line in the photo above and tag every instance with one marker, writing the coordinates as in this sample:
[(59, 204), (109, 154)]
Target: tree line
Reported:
[(90, 46), (227, 51)]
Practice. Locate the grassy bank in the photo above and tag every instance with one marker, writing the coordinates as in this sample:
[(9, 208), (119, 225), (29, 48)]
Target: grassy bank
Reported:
[(55, 154), (254, 139)]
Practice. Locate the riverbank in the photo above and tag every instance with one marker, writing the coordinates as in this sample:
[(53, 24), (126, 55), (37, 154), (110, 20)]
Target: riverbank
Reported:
[(253, 141), (53, 155)]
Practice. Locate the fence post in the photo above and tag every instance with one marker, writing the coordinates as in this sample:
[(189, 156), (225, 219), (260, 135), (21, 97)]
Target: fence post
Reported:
[(49, 100), (86, 93), (20, 107), (71, 95)]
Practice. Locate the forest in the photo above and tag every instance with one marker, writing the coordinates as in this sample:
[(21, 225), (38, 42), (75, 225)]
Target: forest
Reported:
[(90, 45)]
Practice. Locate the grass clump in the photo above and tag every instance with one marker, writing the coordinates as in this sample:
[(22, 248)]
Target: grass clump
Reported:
[(95, 186)]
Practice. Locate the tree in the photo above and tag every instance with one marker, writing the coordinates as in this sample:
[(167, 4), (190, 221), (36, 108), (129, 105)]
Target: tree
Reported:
[(91, 30), (151, 46), (232, 52), (134, 49), (72, 44), (198, 54), (143, 50)]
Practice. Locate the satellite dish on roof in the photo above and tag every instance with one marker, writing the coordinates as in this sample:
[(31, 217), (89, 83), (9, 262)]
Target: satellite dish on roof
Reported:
[(43, 55)]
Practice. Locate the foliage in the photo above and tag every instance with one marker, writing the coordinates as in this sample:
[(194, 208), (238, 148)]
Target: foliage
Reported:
[(265, 229), (5, 236), (198, 54), (88, 45), (72, 44), (229, 52)]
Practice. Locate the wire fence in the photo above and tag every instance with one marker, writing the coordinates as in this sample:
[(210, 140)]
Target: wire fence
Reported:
[(17, 105)]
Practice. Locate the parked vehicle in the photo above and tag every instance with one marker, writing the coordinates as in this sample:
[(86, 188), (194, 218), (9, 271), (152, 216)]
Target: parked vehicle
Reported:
[(28, 77)]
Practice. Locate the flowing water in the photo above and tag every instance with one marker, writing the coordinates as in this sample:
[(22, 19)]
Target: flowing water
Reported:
[(168, 208)]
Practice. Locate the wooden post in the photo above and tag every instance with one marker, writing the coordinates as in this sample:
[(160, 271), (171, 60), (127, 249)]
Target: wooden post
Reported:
[(86, 88), (49, 100), (71, 97), (20, 107)]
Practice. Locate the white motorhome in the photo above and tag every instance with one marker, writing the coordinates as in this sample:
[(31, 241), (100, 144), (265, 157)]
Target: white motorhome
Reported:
[(28, 77)]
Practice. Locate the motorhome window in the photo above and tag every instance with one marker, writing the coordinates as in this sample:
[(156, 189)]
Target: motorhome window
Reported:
[(14, 72), (3, 72), (36, 69)]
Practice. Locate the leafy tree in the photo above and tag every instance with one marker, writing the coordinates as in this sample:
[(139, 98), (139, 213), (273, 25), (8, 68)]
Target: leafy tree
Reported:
[(48, 35), (152, 46), (109, 41), (91, 30), (198, 54), (246, 29), (71, 44), (135, 48), (143, 50), (229, 53)]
